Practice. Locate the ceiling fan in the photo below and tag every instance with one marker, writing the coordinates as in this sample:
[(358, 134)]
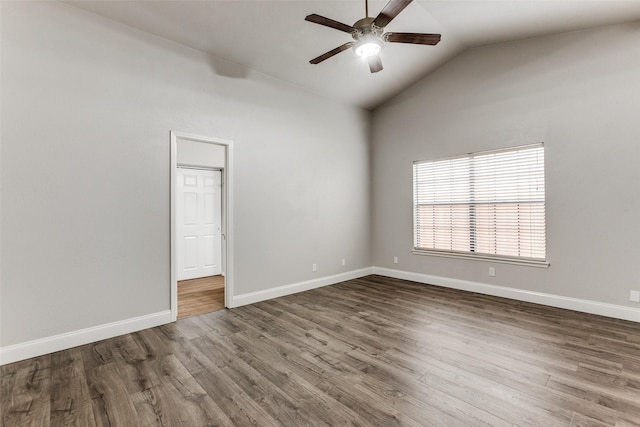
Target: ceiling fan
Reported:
[(369, 36)]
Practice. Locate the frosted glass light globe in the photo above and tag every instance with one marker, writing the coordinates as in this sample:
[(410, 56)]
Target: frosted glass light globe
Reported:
[(368, 45)]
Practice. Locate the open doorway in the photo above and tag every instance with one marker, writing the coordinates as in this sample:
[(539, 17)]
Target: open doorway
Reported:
[(201, 255), (199, 239)]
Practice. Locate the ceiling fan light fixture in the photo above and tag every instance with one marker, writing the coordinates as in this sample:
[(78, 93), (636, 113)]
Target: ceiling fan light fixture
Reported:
[(368, 45)]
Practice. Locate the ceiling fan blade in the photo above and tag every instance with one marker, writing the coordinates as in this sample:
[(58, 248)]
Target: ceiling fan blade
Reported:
[(390, 11), (327, 22), (375, 63), (332, 52), (415, 38)]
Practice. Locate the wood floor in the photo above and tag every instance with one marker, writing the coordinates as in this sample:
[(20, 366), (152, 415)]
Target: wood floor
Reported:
[(368, 352), (199, 296)]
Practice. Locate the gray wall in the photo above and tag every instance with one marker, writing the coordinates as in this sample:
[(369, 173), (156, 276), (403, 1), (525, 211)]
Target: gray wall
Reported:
[(87, 106), (579, 93), (86, 110)]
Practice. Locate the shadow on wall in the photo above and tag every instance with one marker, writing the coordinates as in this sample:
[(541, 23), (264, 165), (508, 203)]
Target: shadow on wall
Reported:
[(229, 69)]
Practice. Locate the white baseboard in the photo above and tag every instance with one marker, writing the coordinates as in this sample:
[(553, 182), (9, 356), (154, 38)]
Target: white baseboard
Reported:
[(585, 306), (14, 353), (22, 351), (280, 291)]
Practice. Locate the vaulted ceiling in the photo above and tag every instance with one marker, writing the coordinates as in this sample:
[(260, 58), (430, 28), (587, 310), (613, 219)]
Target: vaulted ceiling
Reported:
[(272, 37)]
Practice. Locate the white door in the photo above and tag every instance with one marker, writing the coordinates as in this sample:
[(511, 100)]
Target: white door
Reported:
[(198, 220)]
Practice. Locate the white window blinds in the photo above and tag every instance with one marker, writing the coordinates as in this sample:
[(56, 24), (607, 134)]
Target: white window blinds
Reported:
[(489, 203)]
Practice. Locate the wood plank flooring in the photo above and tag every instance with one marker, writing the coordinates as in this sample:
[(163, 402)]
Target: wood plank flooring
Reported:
[(369, 352), (199, 296)]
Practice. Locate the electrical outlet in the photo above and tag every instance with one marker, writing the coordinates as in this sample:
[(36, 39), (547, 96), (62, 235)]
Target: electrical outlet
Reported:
[(634, 296), (344, 261), (492, 271), (395, 259), (314, 267)]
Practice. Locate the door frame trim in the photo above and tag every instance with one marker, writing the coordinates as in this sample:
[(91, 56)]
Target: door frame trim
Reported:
[(227, 214)]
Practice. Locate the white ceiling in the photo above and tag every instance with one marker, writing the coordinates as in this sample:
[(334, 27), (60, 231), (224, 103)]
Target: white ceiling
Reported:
[(272, 37)]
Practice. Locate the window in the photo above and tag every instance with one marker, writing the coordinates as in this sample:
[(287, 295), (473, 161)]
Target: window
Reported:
[(488, 204)]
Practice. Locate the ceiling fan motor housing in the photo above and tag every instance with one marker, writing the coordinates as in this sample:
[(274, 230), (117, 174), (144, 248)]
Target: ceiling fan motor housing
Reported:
[(368, 37), (365, 26)]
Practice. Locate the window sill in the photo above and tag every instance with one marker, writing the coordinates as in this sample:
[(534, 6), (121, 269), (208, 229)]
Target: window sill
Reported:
[(485, 258)]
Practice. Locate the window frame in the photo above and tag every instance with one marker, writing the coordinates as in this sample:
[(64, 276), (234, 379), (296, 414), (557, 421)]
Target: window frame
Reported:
[(506, 259)]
